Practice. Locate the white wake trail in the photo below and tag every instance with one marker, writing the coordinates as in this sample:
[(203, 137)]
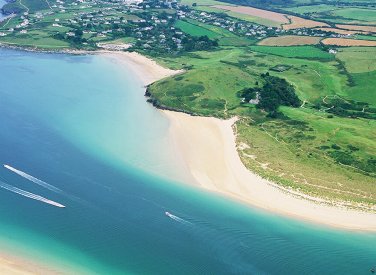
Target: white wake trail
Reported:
[(176, 218), (33, 179), (29, 195)]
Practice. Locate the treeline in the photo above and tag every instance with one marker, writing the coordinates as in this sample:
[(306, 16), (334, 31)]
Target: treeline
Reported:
[(275, 92)]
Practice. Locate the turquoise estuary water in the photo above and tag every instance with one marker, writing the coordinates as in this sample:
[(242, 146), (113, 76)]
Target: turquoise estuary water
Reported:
[(76, 132)]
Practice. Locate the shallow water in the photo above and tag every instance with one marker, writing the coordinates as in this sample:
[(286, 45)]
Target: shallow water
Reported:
[(81, 125)]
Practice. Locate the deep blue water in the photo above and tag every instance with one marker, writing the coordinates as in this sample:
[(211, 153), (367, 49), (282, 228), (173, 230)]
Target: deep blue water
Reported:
[(81, 123)]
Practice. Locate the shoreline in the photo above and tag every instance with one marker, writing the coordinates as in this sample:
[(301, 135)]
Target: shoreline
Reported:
[(10, 264), (208, 148)]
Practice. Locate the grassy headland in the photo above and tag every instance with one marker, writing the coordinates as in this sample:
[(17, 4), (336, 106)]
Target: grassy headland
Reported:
[(307, 113)]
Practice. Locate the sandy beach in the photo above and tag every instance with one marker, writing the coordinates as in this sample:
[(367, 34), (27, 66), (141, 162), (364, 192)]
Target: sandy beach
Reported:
[(208, 148), (12, 265), (146, 69)]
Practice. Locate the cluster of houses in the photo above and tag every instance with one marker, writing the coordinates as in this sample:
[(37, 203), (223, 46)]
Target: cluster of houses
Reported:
[(150, 27), (238, 27), (319, 32)]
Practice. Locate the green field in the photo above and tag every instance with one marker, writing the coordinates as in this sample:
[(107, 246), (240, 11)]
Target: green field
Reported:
[(224, 37), (308, 52), (354, 15), (358, 59), (195, 30), (337, 14), (311, 9)]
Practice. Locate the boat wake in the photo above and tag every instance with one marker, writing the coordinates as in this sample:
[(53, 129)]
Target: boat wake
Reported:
[(29, 195), (176, 218), (33, 179)]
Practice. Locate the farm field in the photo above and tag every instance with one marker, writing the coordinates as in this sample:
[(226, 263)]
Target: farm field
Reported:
[(340, 31), (288, 22), (351, 15), (196, 30), (289, 40), (357, 27), (365, 37), (308, 52), (310, 9), (273, 16), (298, 22), (225, 37), (344, 42)]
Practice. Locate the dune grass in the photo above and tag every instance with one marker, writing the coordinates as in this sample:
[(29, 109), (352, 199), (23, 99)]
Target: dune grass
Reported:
[(319, 153)]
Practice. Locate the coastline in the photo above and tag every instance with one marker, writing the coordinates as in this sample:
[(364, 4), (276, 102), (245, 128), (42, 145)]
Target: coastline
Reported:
[(208, 147), (16, 265)]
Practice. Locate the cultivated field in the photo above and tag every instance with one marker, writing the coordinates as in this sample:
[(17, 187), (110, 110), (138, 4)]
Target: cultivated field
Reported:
[(348, 42), (288, 22), (289, 40), (358, 28), (273, 16), (298, 22), (340, 31)]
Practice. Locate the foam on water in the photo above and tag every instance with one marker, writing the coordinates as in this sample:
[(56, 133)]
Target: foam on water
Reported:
[(29, 195), (176, 218), (33, 179)]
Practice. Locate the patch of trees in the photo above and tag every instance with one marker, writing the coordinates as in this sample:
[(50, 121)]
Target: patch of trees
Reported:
[(275, 92), (366, 164), (193, 43), (77, 40), (347, 108)]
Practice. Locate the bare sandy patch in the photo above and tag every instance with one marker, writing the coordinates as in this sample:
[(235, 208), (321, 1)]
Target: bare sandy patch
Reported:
[(348, 42), (290, 40)]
